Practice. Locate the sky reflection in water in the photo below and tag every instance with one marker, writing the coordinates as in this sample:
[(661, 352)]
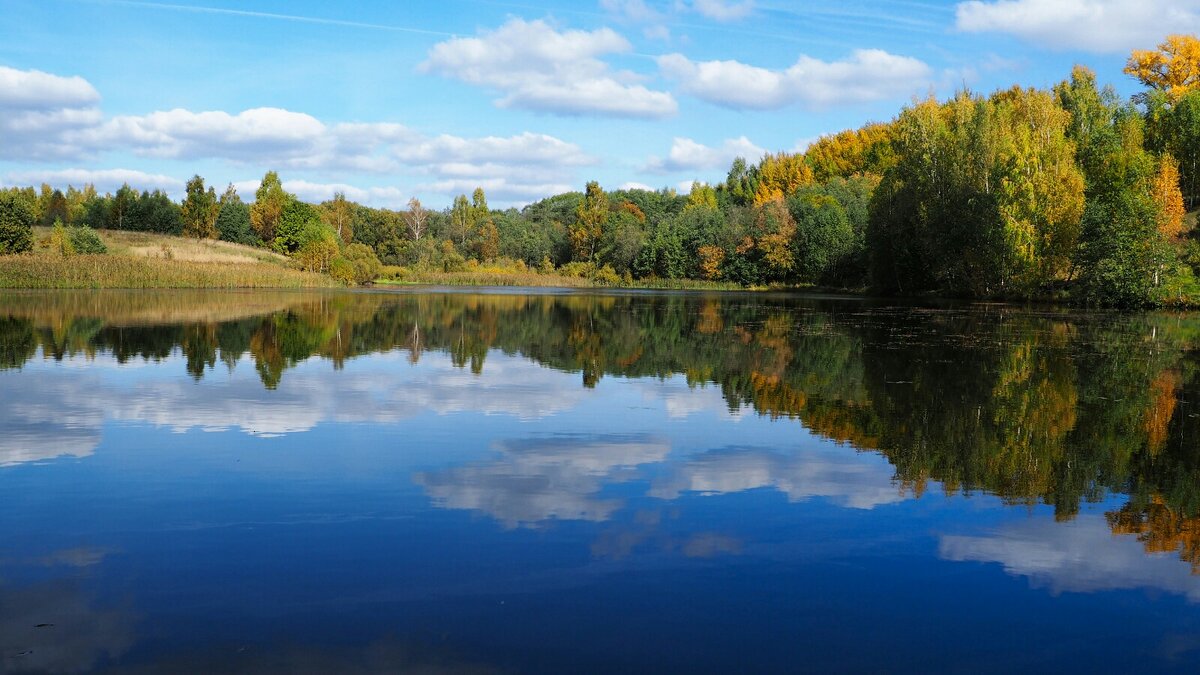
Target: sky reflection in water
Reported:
[(479, 483)]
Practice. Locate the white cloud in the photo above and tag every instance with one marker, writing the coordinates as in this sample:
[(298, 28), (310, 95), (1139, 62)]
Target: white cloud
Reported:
[(638, 13), (723, 10), (688, 155), (634, 185), (633, 10), (528, 148), (35, 90), (868, 75), (536, 67), (498, 188), (271, 136), (105, 180), (38, 111), (1105, 26), (308, 191)]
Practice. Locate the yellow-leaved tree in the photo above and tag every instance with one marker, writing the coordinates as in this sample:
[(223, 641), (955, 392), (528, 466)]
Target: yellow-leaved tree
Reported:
[(779, 175), (1173, 68), (1168, 197)]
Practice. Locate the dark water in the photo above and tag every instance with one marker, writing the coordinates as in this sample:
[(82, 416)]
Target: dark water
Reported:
[(462, 482)]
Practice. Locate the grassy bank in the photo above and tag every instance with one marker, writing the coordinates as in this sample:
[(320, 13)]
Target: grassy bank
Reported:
[(144, 260), (539, 280), (41, 270)]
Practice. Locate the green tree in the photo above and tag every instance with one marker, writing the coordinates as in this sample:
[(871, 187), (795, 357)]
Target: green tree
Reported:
[(462, 220), (824, 238), (339, 213), (590, 218), (233, 219), (16, 224), (200, 210), (298, 224), (270, 200)]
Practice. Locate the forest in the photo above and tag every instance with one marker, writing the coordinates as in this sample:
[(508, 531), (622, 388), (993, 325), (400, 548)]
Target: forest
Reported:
[(1069, 194)]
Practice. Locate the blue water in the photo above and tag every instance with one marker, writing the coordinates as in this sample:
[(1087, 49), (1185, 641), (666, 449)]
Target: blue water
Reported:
[(385, 515)]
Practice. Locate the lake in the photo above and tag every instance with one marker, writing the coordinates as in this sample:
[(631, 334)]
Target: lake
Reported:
[(498, 481)]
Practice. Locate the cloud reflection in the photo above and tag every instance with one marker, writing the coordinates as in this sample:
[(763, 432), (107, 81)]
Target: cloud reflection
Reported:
[(846, 478), (55, 628), (1079, 556), (557, 478), (60, 412)]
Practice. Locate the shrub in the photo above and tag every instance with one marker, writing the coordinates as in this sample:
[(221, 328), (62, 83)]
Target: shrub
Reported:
[(607, 275), (365, 265), (60, 240), (452, 260), (85, 241), (342, 270), (16, 224)]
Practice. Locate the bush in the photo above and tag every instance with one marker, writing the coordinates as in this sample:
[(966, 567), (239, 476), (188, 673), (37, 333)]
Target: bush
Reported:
[(452, 260), (59, 241), (365, 265), (394, 272), (85, 241), (342, 270), (607, 275), (16, 224)]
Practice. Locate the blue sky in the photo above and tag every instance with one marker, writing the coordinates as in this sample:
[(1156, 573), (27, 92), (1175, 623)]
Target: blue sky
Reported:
[(387, 100)]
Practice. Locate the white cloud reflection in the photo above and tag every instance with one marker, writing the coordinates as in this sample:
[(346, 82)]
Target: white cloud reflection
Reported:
[(837, 473), (557, 478), (56, 410), (1080, 556)]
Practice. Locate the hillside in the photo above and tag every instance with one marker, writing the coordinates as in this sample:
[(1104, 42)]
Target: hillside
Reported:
[(146, 260)]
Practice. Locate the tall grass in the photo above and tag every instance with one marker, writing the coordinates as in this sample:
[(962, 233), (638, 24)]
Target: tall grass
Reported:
[(536, 279), (40, 270)]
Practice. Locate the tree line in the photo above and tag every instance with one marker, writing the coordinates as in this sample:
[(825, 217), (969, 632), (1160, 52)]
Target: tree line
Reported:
[(1068, 193)]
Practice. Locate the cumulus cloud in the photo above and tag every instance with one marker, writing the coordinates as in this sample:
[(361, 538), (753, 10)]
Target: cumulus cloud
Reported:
[(868, 75), (105, 180), (319, 192), (531, 148), (634, 185), (535, 67), (277, 137), (39, 111), (1104, 26), (723, 10), (499, 188), (55, 117), (688, 155)]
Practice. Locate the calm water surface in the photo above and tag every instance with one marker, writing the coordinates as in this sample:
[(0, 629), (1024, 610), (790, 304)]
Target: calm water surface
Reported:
[(568, 482)]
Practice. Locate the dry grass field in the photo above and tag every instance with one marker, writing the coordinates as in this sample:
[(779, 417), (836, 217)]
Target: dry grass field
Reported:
[(145, 260)]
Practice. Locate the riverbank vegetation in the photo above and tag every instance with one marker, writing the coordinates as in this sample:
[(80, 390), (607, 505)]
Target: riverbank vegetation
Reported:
[(1068, 193)]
